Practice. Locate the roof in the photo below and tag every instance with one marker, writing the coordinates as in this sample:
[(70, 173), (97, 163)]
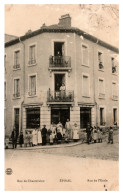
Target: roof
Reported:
[(9, 37), (61, 29)]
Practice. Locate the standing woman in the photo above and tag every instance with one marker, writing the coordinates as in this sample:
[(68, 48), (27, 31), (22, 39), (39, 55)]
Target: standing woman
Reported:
[(44, 135), (75, 133), (39, 137)]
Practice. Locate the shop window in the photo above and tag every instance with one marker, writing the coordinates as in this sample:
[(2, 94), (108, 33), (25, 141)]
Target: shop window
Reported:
[(32, 118), (85, 117)]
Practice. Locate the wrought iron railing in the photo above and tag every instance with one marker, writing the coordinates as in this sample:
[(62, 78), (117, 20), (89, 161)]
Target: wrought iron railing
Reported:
[(17, 66), (114, 97), (60, 96), (59, 61), (101, 95)]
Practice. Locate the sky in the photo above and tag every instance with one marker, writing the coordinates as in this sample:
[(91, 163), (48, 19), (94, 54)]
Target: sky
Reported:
[(97, 20)]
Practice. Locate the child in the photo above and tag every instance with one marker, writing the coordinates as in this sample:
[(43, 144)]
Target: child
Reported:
[(110, 135), (95, 134), (99, 134)]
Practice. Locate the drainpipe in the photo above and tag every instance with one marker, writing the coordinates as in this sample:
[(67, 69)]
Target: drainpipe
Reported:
[(23, 78), (94, 85)]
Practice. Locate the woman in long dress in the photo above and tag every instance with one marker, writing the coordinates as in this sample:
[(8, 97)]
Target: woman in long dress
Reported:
[(39, 137), (35, 140), (75, 132)]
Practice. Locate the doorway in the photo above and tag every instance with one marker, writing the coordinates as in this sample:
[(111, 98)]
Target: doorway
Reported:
[(16, 119), (85, 117), (60, 113), (59, 79), (59, 47)]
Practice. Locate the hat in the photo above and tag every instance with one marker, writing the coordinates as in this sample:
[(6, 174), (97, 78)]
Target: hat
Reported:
[(75, 123)]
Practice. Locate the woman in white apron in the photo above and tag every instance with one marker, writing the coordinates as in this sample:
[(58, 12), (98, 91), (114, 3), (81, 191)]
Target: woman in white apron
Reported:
[(39, 137), (75, 132)]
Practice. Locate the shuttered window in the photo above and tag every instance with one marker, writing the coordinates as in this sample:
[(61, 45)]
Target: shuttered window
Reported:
[(84, 55)]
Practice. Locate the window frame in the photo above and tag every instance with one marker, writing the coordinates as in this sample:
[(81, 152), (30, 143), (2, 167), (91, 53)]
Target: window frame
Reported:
[(30, 45), (14, 94), (100, 51), (30, 75), (87, 75), (104, 115), (86, 45), (15, 65), (99, 94)]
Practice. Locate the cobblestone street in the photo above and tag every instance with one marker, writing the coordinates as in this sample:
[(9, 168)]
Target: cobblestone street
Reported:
[(94, 150)]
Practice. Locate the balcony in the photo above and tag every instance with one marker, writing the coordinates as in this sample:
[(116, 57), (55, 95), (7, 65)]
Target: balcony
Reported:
[(60, 96), (115, 97), (17, 66), (60, 62)]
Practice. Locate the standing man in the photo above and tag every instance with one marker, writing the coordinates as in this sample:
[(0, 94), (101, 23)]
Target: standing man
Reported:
[(88, 131), (14, 136), (44, 135)]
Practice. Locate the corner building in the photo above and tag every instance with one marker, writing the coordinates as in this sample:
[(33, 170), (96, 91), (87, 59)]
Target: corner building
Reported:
[(37, 64)]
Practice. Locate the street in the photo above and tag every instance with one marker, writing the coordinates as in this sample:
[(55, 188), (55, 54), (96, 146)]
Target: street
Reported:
[(82, 167)]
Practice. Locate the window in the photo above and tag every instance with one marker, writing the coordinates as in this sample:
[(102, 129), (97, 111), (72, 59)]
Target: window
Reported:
[(33, 117), (32, 85), (101, 88), (32, 54), (16, 88), (4, 90), (84, 55), (114, 67), (16, 119), (85, 117), (114, 116), (102, 121), (100, 61), (114, 91), (16, 59), (86, 86)]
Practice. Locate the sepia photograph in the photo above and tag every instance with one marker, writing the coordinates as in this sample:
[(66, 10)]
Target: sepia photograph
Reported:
[(61, 97)]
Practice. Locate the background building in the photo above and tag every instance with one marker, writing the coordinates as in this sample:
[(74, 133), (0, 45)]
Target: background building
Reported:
[(38, 63)]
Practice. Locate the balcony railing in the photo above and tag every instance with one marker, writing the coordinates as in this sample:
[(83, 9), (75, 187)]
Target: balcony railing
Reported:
[(32, 93), (60, 96), (59, 61), (32, 61), (16, 95), (114, 97), (101, 95), (17, 66)]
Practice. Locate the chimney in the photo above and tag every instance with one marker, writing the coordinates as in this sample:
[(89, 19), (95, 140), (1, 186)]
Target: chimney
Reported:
[(65, 20)]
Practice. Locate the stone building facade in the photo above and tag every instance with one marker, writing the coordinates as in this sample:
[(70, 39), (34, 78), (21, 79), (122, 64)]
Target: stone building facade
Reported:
[(38, 63)]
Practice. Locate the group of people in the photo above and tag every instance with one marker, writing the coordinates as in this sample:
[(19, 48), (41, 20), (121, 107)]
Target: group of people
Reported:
[(95, 134), (57, 133)]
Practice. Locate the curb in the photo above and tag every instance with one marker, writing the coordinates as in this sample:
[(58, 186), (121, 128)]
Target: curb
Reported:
[(50, 146)]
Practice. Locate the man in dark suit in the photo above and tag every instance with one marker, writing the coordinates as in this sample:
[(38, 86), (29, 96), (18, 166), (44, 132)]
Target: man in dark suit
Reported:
[(88, 131), (14, 136), (44, 135)]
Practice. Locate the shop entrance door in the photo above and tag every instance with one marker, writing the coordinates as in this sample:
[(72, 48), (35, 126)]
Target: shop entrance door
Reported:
[(60, 114)]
